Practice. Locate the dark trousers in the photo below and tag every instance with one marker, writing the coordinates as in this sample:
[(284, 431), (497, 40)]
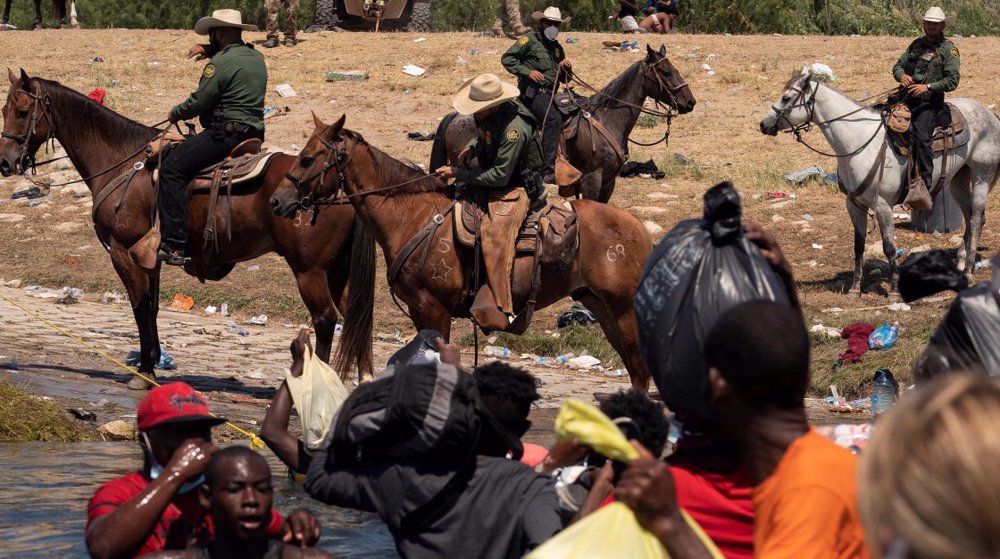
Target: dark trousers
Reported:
[(552, 127), (181, 165), (925, 115)]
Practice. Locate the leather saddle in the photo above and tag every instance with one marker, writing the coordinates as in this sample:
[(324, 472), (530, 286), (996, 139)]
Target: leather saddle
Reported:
[(945, 138), (572, 106)]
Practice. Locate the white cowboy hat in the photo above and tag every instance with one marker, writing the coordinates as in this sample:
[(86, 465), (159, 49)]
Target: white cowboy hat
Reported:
[(551, 13), (482, 92), (222, 18), (935, 14)]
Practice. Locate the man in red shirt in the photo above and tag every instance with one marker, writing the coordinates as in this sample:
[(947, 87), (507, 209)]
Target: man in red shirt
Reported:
[(157, 507)]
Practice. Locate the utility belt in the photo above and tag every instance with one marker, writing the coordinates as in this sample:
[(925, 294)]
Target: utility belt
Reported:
[(533, 183), (223, 129)]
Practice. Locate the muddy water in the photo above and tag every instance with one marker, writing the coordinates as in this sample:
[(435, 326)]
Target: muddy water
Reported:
[(44, 489)]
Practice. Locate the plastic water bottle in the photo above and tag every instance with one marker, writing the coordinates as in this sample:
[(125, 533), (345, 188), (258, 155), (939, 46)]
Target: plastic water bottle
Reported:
[(562, 359), (883, 393), (495, 351)]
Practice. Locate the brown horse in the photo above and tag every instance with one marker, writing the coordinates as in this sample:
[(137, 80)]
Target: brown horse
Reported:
[(616, 107), (396, 201), (101, 144)]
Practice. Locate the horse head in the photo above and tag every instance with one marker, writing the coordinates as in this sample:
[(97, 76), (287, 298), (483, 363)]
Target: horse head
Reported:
[(317, 173), (27, 123), (795, 108), (664, 83)]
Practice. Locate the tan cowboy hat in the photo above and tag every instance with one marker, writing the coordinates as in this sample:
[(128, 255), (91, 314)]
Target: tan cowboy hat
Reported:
[(482, 92), (935, 14), (222, 18), (551, 13)]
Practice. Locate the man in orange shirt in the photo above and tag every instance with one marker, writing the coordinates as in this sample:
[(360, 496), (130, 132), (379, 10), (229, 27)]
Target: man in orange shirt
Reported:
[(805, 494)]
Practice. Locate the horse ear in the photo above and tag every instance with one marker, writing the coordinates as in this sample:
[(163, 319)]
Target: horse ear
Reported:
[(805, 71), (319, 123), (339, 125), (11, 75), (25, 80), (663, 50), (650, 53)]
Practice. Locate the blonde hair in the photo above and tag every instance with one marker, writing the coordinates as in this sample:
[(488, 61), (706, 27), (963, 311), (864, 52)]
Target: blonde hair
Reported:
[(930, 473)]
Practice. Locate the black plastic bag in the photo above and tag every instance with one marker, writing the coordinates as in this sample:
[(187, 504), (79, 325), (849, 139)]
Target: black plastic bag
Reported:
[(925, 273), (968, 337), (701, 268)]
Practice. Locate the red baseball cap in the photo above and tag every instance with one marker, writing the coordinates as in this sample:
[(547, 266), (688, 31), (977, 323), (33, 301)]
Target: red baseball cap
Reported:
[(171, 403)]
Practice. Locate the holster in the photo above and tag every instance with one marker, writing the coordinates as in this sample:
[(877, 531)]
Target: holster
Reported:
[(533, 184)]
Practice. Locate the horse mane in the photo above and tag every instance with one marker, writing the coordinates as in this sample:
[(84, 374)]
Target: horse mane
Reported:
[(609, 92), (791, 81), (96, 119), (393, 171)]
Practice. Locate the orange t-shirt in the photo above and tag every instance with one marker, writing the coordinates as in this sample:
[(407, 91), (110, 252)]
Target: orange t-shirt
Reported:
[(807, 507)]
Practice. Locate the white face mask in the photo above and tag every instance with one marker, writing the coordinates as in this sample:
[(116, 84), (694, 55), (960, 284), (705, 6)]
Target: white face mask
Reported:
[(155, 470), (551, 32)]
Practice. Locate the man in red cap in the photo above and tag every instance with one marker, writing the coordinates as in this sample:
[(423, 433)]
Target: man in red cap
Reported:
[(157, 508)]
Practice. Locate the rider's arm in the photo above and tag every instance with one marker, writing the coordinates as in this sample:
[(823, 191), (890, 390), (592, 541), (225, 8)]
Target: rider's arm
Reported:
[(950, 74), (204, 99), (898, 69), (499, 174), (513, 59)]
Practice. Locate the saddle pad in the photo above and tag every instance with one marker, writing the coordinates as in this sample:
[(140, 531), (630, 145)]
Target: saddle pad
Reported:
[(568, 102), (247, 168), (466, 219)]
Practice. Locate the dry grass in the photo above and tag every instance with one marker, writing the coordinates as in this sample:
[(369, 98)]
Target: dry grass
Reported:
[(24, 417), (721, 138)]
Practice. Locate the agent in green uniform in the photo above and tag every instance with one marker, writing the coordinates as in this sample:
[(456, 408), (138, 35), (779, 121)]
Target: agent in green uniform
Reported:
[(534, 59), (928, 69), (501, 168), (229, 103)]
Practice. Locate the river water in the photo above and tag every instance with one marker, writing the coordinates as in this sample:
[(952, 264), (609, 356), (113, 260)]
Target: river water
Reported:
[(44, 489)]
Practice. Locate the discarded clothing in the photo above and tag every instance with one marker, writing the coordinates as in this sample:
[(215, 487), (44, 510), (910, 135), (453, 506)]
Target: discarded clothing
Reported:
[(857, 341), (30, 193), (420, 137), (634, 169), (166, 362), (803, 175), (576, 316), (97, 95)]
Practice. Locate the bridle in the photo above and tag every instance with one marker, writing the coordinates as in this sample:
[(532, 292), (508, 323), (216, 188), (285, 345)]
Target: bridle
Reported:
[(41, 107)]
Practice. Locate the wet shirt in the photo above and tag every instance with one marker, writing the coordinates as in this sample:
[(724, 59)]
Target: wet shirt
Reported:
[(235, 80), (505, 146), (720, 502), (932, 62), (183, 522), (534, 52)]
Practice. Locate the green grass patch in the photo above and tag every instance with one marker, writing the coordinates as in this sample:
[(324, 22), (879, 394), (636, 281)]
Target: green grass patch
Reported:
[(646, 121), (576, 339), (24, 417)]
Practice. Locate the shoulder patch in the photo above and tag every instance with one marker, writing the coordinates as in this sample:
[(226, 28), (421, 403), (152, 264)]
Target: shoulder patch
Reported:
[(523, 40), (209, 71), (513, 135), (954, 51)]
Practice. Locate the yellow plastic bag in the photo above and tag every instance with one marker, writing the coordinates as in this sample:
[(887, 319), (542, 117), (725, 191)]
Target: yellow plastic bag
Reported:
[(317, 396), (612, 531)]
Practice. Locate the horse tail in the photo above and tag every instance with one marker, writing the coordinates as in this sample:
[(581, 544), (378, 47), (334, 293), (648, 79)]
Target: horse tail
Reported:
[(439, 150), (355, 349)]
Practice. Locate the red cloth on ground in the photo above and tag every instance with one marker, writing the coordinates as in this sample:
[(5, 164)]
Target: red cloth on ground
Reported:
[(182, 522), (97, 95), (857, 341), (721, 503)]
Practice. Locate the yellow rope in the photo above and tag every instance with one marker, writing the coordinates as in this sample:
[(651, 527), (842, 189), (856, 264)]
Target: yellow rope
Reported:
[(255, 441)]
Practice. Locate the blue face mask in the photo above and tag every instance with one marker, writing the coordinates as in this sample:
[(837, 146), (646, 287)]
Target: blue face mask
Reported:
[(551, 32), (156, 469)]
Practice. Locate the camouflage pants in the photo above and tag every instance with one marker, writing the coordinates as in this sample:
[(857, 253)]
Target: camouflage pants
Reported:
[(509, 16), (291, 16)]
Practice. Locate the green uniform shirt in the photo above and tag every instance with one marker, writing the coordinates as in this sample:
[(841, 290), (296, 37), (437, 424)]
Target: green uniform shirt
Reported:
[(534, 52), (236, 80), (934, 63), (505, 147)]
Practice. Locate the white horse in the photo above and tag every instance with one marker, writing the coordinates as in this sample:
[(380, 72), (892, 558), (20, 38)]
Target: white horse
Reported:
[(857, 135)]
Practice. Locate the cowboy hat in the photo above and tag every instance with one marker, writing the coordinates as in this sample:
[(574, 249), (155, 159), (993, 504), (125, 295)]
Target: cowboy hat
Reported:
[(551, 13), (935, 14), (222, 18), (482, 92)]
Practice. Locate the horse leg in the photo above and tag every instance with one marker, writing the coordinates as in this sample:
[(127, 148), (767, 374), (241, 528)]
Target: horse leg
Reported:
[(137, 285), (961, 190), (886, 227), (974, 227), (607, 186), (154, 309), (590, 186), (617, 320), (859, 219), (315, 293)]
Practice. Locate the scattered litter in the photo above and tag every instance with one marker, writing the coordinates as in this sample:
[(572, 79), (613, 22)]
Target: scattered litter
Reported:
[(166, 362), (857, 342), (983, 265), (807, 217), (83, 415), (210, 309), (902, 216), (285, 90), (347, 75), (68, 299), (832, 177), (395, 337), (817, 246), (617, 373), (635, 168), (884, 337), (777, 195), (254, 268), (97, 59), (413, 70), (777, 218), (899, 307), (820, 69), (584, 362), (421, 137), (181, 302), (496, 351), (71, 261), (259, 320), (224, 310), (255, 374), (461, 61), (234, 328), (563, 359), (706, 67), (802, 175), (681, 158), (273, 111), (572, 40), (40, 292), (575, 316), (33, 203), (112, 297), (154, 64), (475, 52), (828, 331), (419, 39), (29, 193)]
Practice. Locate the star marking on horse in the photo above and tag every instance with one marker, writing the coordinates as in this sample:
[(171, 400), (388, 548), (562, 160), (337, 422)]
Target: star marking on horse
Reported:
[(440, 270)]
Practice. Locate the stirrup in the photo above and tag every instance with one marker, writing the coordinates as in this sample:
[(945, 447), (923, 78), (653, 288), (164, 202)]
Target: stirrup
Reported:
[(172, 257)]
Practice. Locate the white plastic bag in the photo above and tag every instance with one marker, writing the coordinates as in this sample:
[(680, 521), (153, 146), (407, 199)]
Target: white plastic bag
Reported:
[(317, 396)]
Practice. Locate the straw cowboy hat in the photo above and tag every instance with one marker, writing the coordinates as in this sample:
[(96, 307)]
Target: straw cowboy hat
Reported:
[(935, 14), (482, 92), (222, 18), (551, 13)]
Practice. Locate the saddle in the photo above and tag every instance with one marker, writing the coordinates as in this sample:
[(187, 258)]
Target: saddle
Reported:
[(944, 139), (576, 110)]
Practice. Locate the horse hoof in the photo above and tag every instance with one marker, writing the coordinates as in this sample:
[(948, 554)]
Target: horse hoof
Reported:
[(854, 293), (895, 297), (138, 384)]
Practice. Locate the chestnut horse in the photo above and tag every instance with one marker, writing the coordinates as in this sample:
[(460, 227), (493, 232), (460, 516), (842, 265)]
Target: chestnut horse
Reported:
[(396, 201), (616, 107), (101, 144)]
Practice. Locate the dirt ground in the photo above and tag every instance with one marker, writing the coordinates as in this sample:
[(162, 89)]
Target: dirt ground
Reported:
[(145, 73)]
